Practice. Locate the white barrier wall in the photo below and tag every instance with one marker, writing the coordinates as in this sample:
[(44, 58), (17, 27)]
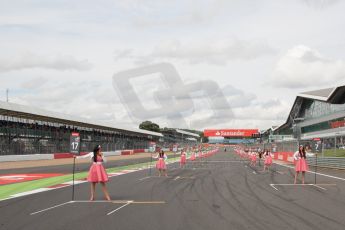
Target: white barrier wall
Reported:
[(115, 153), (32, 157)]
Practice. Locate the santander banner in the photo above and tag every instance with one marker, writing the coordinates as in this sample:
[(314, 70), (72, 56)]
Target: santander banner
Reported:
[(229, 132)]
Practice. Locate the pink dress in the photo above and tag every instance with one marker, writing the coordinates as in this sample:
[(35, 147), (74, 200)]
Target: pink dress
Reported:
[(253, 158), (192, 157), (161, 164), (183, 159), (97, 172), (268, 159), (301, 165), (199, 154)]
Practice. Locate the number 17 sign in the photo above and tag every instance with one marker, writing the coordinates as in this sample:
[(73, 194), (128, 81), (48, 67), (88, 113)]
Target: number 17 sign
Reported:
[(74, 146)]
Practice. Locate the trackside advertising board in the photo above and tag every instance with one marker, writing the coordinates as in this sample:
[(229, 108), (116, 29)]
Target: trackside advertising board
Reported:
[(230, 132), (75, 143)]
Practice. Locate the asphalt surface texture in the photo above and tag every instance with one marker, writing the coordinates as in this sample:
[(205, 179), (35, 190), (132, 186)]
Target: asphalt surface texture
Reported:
[(219, 192)]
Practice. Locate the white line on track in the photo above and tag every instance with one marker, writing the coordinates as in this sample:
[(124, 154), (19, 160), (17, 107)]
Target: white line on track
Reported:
[(103, 201), (75, 182), (274, 187), (120, 201), (319, 187), (304, 184), (128, 203), (301, 185), (144, 178), (56, 206), (321, 174), (217, 162), (31, 192)]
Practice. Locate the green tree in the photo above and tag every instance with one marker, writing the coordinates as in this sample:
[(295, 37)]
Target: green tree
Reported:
[(149, 125)]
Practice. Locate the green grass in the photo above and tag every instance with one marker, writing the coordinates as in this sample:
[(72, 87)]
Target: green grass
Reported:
[(7, 190), (334, 153)]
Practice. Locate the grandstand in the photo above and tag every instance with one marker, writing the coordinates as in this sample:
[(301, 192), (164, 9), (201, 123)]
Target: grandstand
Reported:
[(174, 136), (28, 130), (317, 115)]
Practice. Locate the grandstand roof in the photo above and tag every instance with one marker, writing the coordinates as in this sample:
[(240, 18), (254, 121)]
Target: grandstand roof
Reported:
[(191, 139), (187, 133), (321, 94), (32, 113), (335, 95)]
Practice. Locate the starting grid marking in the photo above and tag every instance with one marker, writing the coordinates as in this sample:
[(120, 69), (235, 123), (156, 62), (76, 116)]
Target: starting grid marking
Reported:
[(311, 172), (124, 202), (218, 161), (302, 185)]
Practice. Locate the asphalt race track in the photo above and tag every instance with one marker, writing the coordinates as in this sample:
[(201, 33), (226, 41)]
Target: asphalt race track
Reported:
[(220, 192)]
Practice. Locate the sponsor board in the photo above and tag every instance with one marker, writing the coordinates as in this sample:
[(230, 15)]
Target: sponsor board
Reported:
[(230, 132)]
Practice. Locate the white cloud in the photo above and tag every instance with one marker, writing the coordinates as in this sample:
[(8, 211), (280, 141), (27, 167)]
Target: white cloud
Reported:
[(34, 83), (238, 98), (87, 99), (212, 52), (303, 67), (262, 115), (320, 4), (227, 41), (31, 60), (184, 13)]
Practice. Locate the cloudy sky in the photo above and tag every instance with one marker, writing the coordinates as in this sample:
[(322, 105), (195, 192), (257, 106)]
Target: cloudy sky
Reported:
[(185, 63)]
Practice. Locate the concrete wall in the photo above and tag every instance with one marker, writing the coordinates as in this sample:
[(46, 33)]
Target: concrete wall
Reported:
[(32, 157)]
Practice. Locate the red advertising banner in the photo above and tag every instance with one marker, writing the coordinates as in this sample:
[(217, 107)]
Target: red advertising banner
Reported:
[(229, 132), (15, 178), (337, 124)]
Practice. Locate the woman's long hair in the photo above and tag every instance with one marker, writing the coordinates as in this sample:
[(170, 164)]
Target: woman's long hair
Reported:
[(95, 151), (302, 152)]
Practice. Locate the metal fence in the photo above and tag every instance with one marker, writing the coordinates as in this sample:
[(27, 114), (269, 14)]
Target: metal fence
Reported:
[(312, 146), (288, 146), (327, 162)]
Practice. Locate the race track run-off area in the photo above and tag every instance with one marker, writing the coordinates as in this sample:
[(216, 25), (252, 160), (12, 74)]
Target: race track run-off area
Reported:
[(219, 192)]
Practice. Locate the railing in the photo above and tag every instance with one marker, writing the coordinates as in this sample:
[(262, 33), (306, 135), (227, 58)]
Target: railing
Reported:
[(327, 162)]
